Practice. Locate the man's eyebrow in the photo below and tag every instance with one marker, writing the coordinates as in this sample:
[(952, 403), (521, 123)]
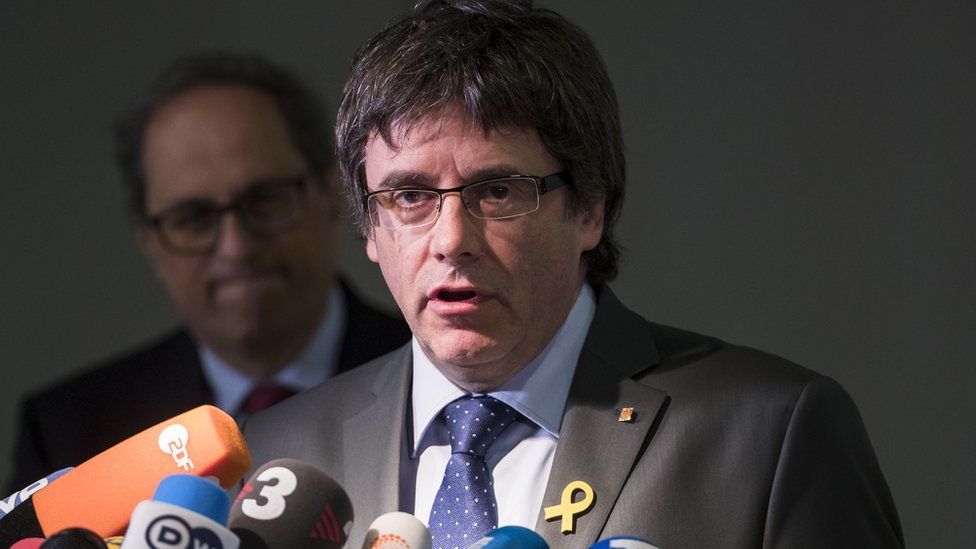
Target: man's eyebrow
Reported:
[(492, 172), (183, 203), (406, 178), (397, 179)]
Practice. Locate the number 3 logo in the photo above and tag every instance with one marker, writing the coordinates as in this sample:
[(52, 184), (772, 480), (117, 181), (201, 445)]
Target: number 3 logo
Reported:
[(273, 493)]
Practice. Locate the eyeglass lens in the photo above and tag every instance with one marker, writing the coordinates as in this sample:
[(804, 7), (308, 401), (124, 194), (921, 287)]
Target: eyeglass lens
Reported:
[(495, 199), (263, 208)]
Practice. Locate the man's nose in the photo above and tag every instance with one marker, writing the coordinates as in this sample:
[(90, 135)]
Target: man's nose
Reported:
[(456, 235), (234, 240)]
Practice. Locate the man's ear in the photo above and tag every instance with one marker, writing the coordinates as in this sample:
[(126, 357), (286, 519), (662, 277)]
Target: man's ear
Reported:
[(591, 225)]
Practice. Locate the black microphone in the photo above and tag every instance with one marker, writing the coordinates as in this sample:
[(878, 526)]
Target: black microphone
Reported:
[(74, 538), (289, 504), (21, 522)]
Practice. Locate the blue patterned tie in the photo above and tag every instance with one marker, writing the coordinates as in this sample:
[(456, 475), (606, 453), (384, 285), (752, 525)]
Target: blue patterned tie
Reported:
[(464, 508)]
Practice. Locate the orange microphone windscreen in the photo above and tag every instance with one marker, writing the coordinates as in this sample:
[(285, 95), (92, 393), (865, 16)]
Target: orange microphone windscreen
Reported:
[(101, 493)]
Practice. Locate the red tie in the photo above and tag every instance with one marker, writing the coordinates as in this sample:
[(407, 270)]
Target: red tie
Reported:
[(265, 396)]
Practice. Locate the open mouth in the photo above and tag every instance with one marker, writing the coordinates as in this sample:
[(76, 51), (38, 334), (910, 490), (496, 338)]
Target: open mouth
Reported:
[(455, 296)]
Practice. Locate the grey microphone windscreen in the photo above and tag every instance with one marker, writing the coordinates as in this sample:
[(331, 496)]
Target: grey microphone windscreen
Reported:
[(289, 504)]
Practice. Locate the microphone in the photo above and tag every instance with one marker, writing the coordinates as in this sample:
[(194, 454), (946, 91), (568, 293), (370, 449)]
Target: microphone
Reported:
[(28, 543), (510, 537), (20, 522), (623, 542), (185, 511), (289, 504), (74, 538), (204, 442), (13, 500), (397, 530)]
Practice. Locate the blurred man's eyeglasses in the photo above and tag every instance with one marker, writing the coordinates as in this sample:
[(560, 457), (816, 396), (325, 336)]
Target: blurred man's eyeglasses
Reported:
[(263, 208), (497, 198)]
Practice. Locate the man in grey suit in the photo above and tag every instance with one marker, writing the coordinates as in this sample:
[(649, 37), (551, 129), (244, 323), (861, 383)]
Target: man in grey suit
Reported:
[(481, 144)]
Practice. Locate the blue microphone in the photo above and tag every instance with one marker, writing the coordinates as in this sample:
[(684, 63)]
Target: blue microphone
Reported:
[(13, 500), (185, 511), (623, 542), (510, 537)]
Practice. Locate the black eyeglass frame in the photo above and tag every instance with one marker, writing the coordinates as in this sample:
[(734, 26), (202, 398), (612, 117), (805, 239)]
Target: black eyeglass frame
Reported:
[(236, 206), (543, 185)]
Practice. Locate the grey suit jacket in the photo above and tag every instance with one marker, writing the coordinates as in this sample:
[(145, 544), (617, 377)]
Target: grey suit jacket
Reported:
[(730, 447)]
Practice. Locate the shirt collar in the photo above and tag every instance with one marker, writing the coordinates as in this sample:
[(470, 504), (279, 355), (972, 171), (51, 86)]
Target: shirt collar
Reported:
[(317, 362), (538, 392)]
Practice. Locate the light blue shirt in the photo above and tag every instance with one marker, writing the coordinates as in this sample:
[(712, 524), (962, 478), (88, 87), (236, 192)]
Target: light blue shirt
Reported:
[(316, 363), (521, 458)]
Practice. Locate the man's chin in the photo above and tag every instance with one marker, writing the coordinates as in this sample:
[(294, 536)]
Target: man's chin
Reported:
[(465, 349), (245, 338), (247, 327)]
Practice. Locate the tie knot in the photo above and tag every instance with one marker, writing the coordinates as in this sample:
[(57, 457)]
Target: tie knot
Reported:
[(265, 396), (475, 422)]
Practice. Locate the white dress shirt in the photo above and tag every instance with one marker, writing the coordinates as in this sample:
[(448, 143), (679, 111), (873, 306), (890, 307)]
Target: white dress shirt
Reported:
[(316, 363), (521, 457)]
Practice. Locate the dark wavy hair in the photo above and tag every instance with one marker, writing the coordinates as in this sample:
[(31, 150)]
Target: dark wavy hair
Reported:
[(506, 63), (302, 109)]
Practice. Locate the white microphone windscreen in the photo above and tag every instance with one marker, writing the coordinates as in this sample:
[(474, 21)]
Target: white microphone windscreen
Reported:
[(397, 530)]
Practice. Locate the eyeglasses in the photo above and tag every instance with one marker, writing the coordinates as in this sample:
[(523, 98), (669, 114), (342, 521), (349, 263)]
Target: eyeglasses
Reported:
[(264, 208), (497, 198)]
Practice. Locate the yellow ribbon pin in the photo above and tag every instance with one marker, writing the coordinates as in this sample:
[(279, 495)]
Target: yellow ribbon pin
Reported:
[(568, 509)]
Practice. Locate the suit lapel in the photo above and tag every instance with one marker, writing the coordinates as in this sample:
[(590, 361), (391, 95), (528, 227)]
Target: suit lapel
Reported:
[(372, 443), (593, 445)]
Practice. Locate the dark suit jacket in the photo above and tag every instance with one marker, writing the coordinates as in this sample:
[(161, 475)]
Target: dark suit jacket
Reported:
[(731, 447), (69, 423)]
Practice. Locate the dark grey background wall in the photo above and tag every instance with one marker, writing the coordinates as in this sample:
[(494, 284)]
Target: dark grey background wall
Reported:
[(801, 177)]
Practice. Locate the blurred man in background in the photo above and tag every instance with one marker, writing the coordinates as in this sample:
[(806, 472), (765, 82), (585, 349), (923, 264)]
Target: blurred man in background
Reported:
[(229, 168)]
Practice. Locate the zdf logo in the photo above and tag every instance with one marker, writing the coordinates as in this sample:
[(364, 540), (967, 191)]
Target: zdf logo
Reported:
[(173, 441)]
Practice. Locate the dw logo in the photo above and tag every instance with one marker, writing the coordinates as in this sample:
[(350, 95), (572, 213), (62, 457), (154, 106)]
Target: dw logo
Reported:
[(173, 442), (172, 532)]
